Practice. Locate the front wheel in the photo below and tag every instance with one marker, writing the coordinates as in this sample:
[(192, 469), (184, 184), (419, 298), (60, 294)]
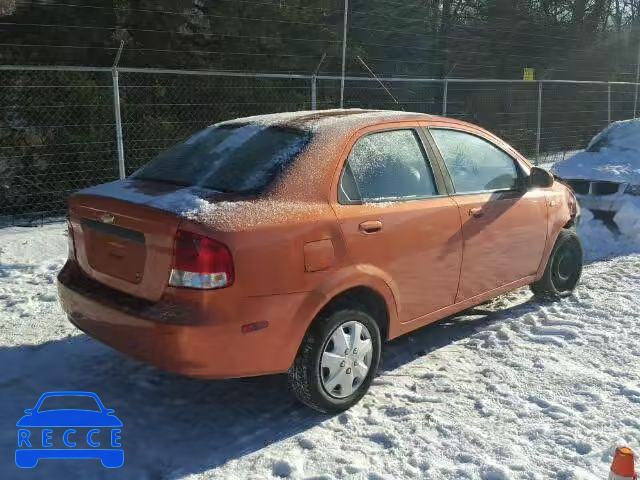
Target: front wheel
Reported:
[(337, 361), (564, 268)]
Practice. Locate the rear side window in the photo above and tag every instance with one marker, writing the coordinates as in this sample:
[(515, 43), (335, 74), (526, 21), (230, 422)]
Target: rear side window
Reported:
[(228, 158), (474, 164), (389, 165)]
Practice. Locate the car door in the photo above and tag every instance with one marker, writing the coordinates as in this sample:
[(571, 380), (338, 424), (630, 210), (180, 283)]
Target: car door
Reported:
[(504, 224), (398, 221)]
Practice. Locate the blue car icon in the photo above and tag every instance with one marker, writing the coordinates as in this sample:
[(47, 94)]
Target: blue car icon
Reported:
[(69, 425)]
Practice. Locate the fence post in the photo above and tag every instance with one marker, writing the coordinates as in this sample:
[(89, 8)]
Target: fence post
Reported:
[(116, 108), (314, 93), (539, 128), (344, 51), (635, 100), (608, 103), (445, 95)]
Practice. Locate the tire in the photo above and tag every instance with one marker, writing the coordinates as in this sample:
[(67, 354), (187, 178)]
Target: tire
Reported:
[(564, 268), (313, 374)]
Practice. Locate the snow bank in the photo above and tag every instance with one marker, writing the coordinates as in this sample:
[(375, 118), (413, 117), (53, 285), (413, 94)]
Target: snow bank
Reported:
[(628, 218), (600, 242)]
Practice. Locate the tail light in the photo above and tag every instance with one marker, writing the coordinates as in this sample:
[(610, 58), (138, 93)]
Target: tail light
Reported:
[(71, 244), (200, 262)]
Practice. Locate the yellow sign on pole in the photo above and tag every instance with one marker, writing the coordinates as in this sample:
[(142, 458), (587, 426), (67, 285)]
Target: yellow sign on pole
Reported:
[(529, 74)]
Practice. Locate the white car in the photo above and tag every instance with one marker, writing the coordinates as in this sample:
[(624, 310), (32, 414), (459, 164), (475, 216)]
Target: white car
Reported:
[(606, 175)]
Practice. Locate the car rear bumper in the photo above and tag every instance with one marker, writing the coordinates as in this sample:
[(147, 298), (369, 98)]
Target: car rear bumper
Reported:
[(159, 334)]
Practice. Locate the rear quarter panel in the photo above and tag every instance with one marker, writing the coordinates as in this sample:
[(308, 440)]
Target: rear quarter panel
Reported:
[(269, 256)]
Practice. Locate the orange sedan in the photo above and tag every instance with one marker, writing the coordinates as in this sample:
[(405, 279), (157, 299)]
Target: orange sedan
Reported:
[(300, 242)]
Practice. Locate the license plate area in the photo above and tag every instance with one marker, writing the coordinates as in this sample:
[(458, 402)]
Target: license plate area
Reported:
[(114, 250)]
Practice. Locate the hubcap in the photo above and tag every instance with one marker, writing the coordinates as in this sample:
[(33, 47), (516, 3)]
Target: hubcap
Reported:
[(346, 359), (565, 268)]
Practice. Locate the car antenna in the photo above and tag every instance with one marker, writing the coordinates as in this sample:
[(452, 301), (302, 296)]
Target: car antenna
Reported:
[(377, 79)]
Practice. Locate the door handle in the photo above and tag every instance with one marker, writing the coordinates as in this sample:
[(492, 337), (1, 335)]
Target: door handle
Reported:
[(476, 212), (369, 227)]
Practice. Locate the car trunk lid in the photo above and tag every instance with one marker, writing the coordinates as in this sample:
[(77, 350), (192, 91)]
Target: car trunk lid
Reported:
[(124, 234), (114, 250)]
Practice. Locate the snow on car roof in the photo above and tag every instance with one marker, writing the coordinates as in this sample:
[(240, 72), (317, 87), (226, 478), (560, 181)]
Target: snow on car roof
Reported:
[(318, 119), (612, 155), (623, 135), (301, 195)]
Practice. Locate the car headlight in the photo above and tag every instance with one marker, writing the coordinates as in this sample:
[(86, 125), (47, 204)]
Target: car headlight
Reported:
[(633, 190)]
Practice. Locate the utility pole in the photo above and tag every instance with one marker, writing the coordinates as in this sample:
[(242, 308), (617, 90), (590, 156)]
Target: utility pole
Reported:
[(344, 51)]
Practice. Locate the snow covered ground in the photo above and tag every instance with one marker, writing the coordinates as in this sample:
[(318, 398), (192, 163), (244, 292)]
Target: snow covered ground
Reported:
[(513, 389)]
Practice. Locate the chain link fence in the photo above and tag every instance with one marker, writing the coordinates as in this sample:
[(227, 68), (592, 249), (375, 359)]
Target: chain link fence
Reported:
[(56, 136), (159, 109), (58, 126)]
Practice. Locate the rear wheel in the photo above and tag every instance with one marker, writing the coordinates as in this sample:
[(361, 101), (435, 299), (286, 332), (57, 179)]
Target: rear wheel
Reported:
[(337, 361), (564, 268)]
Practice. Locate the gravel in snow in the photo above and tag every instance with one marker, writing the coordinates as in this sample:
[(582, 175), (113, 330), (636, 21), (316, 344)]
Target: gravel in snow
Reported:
[(512, 389)]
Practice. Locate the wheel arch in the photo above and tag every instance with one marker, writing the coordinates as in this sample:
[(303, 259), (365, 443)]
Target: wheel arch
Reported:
[(305, 373), (372, 302), (365, 285), (569, 225)]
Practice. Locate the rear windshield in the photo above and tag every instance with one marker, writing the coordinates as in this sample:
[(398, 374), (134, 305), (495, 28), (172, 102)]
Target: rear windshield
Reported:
[(229, 158)]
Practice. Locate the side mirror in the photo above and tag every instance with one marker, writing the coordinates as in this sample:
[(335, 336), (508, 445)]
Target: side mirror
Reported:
[(540, 178)]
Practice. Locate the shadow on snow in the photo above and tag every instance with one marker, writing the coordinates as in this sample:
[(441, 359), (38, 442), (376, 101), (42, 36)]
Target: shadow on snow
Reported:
[(174, 426)]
